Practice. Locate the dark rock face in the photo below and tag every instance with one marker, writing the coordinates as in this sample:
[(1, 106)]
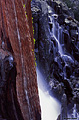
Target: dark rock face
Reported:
[(57, 48), (18, 83), (9, 106), (73, 5), (40, 13)]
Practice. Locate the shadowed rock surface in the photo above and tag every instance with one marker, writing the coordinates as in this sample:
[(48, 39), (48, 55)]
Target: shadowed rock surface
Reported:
[(57, 49)]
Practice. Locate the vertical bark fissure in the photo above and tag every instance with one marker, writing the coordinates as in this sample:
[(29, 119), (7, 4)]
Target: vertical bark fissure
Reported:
[(4, 32), (15, 34), (14, 106), (22, 60)]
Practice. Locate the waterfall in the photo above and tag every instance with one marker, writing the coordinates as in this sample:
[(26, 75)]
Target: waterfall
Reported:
[(50, 107), (58, 37), (74, 111), (57, 34), (78, 33), (75, 114), (56, 31), (59, 46)]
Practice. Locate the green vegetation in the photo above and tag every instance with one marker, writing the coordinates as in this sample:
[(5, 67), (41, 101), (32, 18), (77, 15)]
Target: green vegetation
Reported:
[(24, 5), (33, 33), (26, 16), (34, 42)]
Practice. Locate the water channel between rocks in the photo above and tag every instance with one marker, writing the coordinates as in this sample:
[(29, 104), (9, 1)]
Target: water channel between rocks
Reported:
[(50, 107)]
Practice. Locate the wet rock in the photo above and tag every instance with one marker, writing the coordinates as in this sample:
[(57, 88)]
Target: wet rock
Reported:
[(68, 72), (8, 89), (68, 89), (55, 29), (42, 34), (61, 19), (36, 9), (75, 50), (63, 107)]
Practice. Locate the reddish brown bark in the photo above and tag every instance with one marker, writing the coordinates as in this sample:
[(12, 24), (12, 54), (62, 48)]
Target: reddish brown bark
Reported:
[(17, 35)]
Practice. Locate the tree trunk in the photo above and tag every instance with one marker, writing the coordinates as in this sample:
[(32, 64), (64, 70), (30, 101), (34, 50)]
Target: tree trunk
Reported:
[(18, 83)]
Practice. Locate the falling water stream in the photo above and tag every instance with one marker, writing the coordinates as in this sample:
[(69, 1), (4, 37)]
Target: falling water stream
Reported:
[(59, 46), (50, 107), (56, 33)]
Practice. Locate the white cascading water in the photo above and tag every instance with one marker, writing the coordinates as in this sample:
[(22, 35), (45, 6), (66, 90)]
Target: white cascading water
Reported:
[(50, 107), (74, 111), (59, 46), (59, 38), (74, 115), (78, 33)]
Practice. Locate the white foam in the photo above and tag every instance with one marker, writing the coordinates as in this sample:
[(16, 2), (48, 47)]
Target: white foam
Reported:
[(50, 107)]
